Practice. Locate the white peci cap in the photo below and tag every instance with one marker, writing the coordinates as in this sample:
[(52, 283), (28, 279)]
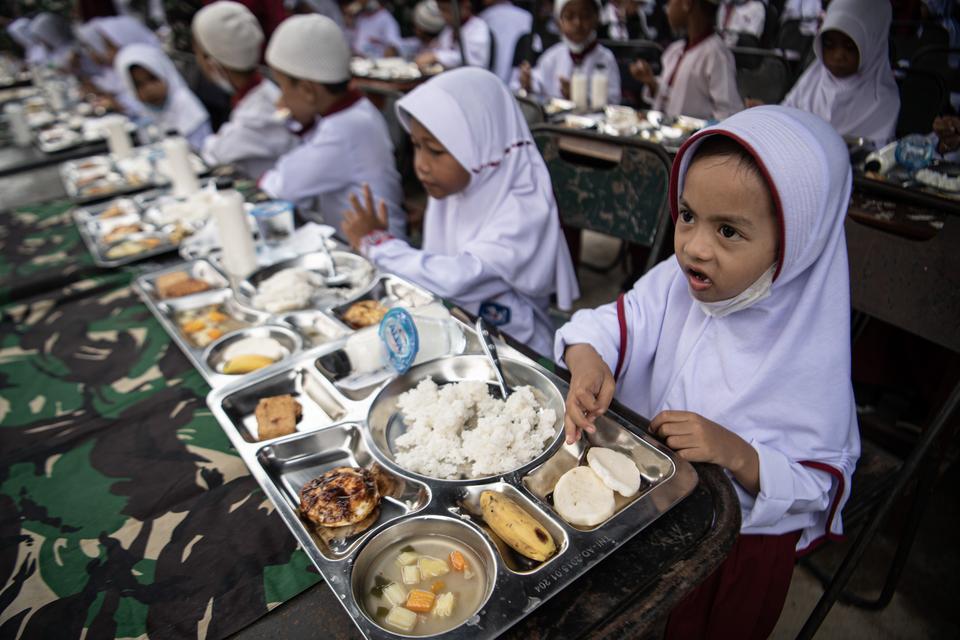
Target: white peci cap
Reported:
[(230, 33), (310, 47)]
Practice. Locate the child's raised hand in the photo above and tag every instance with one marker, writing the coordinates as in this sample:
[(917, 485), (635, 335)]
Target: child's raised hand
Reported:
[(526, 76), (591, 390), (363, 219), (697, 439)]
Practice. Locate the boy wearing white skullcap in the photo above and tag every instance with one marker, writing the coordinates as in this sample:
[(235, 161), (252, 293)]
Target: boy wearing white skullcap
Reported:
[(344, 139), (227, 41), (578, 49)]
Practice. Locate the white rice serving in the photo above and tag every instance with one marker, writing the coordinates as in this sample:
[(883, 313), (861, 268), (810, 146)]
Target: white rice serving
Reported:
[(460, 431), (287, 290)]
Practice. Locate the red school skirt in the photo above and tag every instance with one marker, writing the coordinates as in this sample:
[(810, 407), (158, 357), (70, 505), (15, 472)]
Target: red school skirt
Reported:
[(743, 598)]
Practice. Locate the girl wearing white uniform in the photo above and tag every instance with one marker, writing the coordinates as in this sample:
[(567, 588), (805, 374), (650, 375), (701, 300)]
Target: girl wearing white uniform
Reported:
[(698, 76), (33, 51), (474, 32), (738, 347), (508, 23), (579, 49), (228, 41), (492, 241), (851, 84), (121, 31), (735, 18), (104, 77), (56, 35), (150, 75), (375, 32), (344, 139)]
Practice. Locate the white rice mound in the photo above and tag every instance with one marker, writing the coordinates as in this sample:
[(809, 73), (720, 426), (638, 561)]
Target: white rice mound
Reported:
[(460, 430)]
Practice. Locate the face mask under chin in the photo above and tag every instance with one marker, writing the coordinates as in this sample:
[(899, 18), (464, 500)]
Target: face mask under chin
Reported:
[(750, 296)]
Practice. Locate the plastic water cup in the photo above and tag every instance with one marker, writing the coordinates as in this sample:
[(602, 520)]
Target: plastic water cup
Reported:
[(274, 222)]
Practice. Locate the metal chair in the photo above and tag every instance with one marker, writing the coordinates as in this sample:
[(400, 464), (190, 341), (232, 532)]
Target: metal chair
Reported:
[(614, 186), (532, 111), (922, 98), (892, 279), (763, 74), (626, 52)]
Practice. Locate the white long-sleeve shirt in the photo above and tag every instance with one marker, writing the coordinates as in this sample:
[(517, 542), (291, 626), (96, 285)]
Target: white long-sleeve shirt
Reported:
[(467, 280), (508, 23), (254, 138), (346, 149), (556, 63), (373, 33), (747, 18), (476, 45), (699, 81)]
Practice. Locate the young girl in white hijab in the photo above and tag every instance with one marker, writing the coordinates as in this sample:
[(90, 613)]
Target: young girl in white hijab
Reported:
[(851, 84), (33, 51), (103, 77), (491, 241), (738, 347), (55, 33), (474, 33), (166, 99), (227, 40), (121, 31)]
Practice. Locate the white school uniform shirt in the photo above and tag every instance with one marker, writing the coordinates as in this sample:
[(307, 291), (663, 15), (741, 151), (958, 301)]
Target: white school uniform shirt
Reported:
[(556, 63), (776, 373), (508, 23), (373, 33), (704, 80), (182, 110), (867, 103), (496, 248), (476, 44), (736, 18), (343, 151), (254, 138)]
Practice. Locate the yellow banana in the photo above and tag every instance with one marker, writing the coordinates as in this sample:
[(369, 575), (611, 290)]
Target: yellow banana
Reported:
[(246, 364), (516, 527)]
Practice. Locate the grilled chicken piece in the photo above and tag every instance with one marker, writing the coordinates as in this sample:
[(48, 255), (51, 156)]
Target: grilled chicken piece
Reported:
[(340, 497)]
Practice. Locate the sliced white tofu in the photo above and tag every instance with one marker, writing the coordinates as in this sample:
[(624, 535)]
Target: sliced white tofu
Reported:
[(616, 470)]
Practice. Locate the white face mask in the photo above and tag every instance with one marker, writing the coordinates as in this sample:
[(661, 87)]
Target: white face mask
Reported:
[(747, 298), (576, 47)]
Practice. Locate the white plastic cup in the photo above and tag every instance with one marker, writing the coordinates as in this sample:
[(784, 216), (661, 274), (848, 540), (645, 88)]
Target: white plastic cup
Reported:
[(598, 89), (183, 180), (17, 120), (578, 90), (118, 140)]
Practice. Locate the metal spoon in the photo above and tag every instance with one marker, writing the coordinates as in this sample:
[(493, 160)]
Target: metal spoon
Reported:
[(334, 279), (489, 348)]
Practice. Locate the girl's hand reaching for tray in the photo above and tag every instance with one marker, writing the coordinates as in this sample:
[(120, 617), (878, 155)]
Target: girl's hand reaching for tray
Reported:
[(591, 390)]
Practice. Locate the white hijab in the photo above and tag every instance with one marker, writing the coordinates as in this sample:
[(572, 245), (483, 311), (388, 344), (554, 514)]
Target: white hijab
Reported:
[(778, 372), (507, 216), (182, 110), (34, 52), (867, 103), (125, 30), (52, 30)]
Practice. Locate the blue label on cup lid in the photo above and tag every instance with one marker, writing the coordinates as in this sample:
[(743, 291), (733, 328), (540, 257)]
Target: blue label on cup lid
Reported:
[(399, 335)]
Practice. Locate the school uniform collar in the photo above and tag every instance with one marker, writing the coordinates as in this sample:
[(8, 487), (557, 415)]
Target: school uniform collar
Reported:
[(243, 91), (350, 98), (578, 58)]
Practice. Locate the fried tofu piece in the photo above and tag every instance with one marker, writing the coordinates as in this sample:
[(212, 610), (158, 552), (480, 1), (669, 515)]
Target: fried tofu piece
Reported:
[(277, 416)]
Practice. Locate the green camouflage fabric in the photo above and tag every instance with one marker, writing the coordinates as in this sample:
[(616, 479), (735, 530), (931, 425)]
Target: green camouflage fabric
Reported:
[(124, 511), (625, 200)]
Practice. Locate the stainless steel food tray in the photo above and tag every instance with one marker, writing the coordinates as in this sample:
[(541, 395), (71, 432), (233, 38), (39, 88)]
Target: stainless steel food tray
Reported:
[(119, 184), (296, 330), (337, 430)]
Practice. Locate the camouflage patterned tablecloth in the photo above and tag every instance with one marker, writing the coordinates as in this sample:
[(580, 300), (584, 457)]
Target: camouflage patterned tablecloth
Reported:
[(124, 512)]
